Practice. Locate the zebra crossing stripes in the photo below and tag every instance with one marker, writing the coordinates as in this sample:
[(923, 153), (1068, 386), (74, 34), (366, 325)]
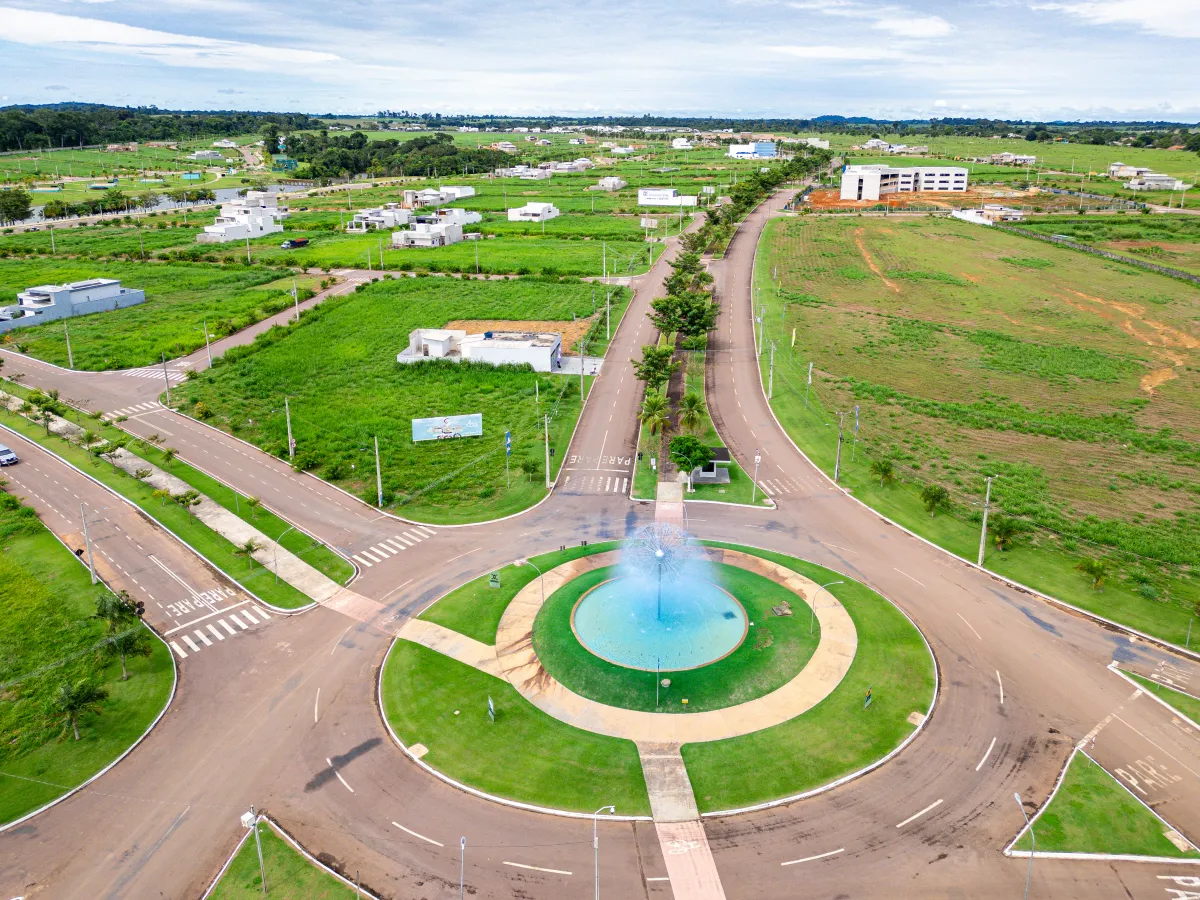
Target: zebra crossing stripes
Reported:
[(153, 372), (393, 546), (196, 639), (597, 484), (133, 410), (775, 486)]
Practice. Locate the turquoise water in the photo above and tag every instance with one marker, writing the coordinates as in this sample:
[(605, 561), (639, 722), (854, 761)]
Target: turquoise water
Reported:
[(619, 621)]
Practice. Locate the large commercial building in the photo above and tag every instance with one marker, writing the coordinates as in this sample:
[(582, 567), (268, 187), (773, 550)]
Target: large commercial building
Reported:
[(542, 350), (753, 150), (873, 182), (58, 301)]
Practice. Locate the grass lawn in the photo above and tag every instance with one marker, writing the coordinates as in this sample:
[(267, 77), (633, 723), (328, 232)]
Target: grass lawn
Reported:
[(289, 875), (1093, 813), (46, 636), (177, 520), (1185, 703), (1172, 241), (339, 369), (838, 736), (775, 649), (475, 608), (971, 352), (180, 297), (524, 755)]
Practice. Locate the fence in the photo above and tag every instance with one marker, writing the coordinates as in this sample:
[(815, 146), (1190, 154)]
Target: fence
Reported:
[(1096, 251)]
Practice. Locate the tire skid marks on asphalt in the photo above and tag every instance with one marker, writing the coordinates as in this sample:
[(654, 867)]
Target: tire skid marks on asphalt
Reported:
[(393, 546), (249, 612)]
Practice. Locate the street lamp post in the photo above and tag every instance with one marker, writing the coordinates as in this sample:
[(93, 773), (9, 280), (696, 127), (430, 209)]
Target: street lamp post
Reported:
[(813, 609), (596, 844), (277, 542), (523, 561), (462, 864), (754, 481), (250, 820), (1032, 843)]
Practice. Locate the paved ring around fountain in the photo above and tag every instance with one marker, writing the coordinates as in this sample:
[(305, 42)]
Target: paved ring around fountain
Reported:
[(826, 668)]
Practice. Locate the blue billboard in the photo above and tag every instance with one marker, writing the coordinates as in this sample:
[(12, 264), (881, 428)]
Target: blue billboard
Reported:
[(442, 427)]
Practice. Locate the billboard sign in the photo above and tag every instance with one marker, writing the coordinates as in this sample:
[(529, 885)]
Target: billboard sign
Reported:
[(441, 428), (649, 223)]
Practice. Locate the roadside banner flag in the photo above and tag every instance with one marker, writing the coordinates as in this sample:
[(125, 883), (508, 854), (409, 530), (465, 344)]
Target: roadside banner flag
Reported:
[(793, 338), (492, 709), (856, 420), (508, 443), (810, 365)]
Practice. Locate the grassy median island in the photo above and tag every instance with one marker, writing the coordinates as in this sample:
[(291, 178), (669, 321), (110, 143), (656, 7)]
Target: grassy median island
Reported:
[(47, 640), (289, 875), (971, 352), (1093, 813), (339, 369), (1184, 702), (774, 650)]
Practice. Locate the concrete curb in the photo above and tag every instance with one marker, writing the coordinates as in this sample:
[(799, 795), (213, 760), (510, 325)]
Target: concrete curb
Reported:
[(145, 734), (1112, 667)]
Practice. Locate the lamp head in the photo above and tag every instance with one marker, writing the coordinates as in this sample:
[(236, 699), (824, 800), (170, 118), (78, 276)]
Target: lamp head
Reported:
[(520, 562)]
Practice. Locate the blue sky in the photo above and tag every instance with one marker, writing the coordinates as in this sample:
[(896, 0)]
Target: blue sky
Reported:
[(1004, 58)]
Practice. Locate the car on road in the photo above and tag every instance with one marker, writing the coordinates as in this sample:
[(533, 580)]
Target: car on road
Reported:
[(8, 457)]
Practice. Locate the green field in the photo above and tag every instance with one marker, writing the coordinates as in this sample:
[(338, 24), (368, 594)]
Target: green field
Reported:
[(345, 387), (1093, 813), (124, 239), (289, 875), (773, 652), (47, 639), (973, 352), (1172, 241), (180, 298), (1185, 703)]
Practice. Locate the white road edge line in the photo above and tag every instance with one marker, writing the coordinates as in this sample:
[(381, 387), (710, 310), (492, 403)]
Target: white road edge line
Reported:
[(316, 705), (1001, 683), (792, 862), (537, 868), (906, 575), (339, 640), (350, 789), (420, 836), (934, 805), (969, 625), (986, 755), (461, 555)]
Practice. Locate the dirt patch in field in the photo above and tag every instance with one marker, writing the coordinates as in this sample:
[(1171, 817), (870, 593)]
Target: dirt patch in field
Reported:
[(1153, 379), (871, 262), (1160, 334), (571, 331)]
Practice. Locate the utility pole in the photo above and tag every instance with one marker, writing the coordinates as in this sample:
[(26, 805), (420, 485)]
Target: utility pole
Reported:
[(771, 374), (378, 474), (295, 299), (761, 328), (88, 542), (53, 252), (207, 346), (262, 869), (604, 261), (166, 378), (808, 385), (608, 316), (287, 411), (837, 466), (547, 452), (582, 357), (70, 356), (987, 499), (854, 443), (247, 247)]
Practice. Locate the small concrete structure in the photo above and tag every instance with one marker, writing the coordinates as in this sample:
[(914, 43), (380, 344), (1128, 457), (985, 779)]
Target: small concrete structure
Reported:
[(391, 215), (51, 301), (252, 216), (533, 212), (542, 351), (716, 471)]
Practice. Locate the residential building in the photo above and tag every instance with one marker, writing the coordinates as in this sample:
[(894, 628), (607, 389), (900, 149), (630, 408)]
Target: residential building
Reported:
[(454, 214), (874, 181), (623, 151), (130, 147), (528, 173), (681, 143), (753, 150), (540, 350), (59, 301), (389, 216), (213, 155), (467, 129), (610, 183), (533, 212), (1012, 159), (663, 197), (252, 216), (425, 232), (989, 214), (875, 144), (1155, 181), (225, 144), (505, 146), (435, 197), (1120, 170)]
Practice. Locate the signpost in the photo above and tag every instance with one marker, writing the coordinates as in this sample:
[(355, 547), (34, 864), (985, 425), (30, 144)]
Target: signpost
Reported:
[(440, 428), (491, 709), (867, 699), (507, 454)]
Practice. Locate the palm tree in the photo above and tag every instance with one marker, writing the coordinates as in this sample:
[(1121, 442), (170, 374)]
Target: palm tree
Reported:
[(134, 641), (691, 412), (254, 503), (248, 550), (1004, 531), (883, 470), (655, 415), (113, 611), (73, 700), (168, 454), (934, 497)]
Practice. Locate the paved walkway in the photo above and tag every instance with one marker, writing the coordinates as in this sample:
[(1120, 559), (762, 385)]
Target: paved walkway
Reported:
[(823, 673), (450, 643), (668, 506), (689, 859)]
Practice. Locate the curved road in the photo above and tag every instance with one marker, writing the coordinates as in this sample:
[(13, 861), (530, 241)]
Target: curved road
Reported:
[(282, 713)]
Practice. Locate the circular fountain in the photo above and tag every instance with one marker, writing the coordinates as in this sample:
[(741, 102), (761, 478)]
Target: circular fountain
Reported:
[(663, 612)]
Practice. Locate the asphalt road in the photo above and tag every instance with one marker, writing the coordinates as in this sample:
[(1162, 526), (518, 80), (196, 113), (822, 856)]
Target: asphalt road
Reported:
[(1021, 682)]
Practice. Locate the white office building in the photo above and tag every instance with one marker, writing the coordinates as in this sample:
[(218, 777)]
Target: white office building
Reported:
[(664, 197), (873, 182), (533, 212), (391, 215), (542, 351), (58, 301), (252, 216), (753, 150), (426, 233)]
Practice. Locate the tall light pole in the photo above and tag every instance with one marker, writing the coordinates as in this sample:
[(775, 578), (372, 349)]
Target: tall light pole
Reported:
[(596, 843), (166, 377), (547, 452), (1032, 843), (462, 864), (207, 345), (771, 374), (524, 561), (278, 540), (754, 481), (837, 466), (987, 498), (287, 411), (378, 475), (813, 608), (88, 543), (250, 820)]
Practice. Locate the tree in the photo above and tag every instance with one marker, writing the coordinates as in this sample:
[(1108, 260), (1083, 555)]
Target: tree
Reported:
[(73, 700), (883, 470), (656, 365), (1095, 569), (162, 495), (114, 612), (1005, 530), (134, 641), (168, 454), (691, 412), (248, 550), (254, 503), (14, 205), (688, 453), (654, 414), (529, 467), (934, 497)]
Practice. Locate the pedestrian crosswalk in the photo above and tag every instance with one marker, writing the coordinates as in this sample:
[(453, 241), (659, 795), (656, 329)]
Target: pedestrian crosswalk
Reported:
[(207, 631), (596, 484), (393, 546), (776, 486), (154, 372), (133, 410)]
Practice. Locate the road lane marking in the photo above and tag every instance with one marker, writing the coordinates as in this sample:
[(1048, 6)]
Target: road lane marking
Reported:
[(986, 755), (343, 780), (246, 613), (236, 621), (203, 637), (461, 555), (934, 805), (969, 625), (339, 640), (226, 626), (537, 868), (394, 590), (1001, 683), (792, 862), (666, 877), (422, 837), (1158, 746), (316, 705), (906, 575)]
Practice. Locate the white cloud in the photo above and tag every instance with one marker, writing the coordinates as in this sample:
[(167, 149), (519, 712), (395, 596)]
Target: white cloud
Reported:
[(831, 52), (895, 20), (1170, 18), (913, 26), (26, 26)]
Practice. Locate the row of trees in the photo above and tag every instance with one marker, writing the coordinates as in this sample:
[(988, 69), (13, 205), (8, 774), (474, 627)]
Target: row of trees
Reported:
[(16, 203), (345, 155)]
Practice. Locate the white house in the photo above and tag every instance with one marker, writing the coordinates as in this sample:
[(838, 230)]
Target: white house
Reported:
[(875, 144), (527, 173), (226, 144), (753, 150), (541, 350), (681, 143), (989, 214), (438, 197), (252, 216), (456, 215), (533, 212), (505, 146), (663, 197), (576, 165), (610, 183), (58, 301), (1012, 159), (1155, 181), (1120, 170), (426, 233), (391, 215), (214, 155), (873, 182)]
